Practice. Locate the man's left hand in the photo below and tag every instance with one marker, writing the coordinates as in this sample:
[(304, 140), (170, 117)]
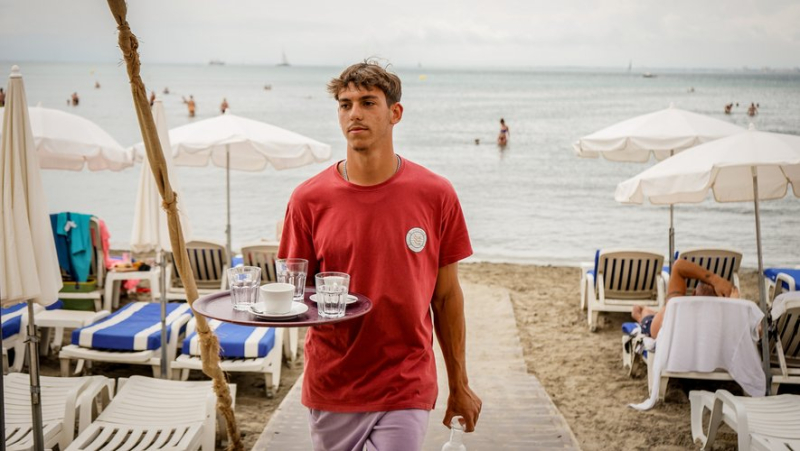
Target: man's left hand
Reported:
[(464, 402)]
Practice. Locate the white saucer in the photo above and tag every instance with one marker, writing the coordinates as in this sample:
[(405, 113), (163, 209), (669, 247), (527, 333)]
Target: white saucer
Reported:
[(350, 299), (298, 308)]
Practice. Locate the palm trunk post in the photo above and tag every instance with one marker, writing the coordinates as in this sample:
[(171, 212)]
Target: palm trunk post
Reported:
[(209, 343)]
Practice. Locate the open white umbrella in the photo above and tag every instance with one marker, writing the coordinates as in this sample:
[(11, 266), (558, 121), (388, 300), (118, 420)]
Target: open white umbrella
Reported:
[(749, 166), (150, 228), (68, 141), (661, 134), (235, 142), (28, 261)]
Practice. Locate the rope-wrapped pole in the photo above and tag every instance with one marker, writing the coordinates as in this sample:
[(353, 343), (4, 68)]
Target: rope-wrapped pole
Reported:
[(209, 352)]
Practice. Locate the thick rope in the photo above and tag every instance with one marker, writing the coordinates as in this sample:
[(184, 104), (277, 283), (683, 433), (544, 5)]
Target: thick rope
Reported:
[(209, 344)]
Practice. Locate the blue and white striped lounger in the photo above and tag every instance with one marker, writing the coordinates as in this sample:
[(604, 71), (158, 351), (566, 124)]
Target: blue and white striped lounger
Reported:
[(131, 335), (14, 320), (242, 349)]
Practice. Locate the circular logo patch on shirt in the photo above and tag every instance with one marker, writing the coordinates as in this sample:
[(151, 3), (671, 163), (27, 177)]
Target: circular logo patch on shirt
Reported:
[(416, 239)]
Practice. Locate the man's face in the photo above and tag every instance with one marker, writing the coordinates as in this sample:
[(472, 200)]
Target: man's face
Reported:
[(366, 118)]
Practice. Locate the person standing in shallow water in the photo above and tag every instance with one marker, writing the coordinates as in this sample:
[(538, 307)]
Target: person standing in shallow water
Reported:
[(502, 138), (190, 104), (399, 231), (224, 106)]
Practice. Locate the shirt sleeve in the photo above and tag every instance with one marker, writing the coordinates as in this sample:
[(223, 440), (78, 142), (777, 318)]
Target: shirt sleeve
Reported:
[(297, 240), (455, 243)]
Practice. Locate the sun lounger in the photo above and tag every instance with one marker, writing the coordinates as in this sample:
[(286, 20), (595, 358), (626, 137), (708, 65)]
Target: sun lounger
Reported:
[(130, 335), (242, 349), (208, 261), (722, 262), (620, 280), (706, 338), (785, 340), (782, 280), (61, 398), (14, 325), (149, 414), (263, 255), (768, 423)]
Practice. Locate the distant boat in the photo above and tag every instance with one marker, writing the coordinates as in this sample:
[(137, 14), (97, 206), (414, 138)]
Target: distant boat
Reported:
[(649, 75), (630, 65), (216, 62), (284, 61)]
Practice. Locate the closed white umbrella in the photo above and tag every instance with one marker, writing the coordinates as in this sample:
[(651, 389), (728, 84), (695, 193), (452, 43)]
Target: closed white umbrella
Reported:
[(150, 228), (28, 261), (661, 134), (235, 142), (749, 166), (68, 141)]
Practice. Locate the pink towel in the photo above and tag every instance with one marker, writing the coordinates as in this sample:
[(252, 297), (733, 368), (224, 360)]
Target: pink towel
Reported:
[(104, 236)]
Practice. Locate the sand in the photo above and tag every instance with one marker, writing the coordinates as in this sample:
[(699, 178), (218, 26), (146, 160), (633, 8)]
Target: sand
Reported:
[(581, 371)]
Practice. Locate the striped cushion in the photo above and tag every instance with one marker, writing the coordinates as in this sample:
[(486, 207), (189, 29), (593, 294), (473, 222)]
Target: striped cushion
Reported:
[(235, 341), (12, 319), (135, 327)]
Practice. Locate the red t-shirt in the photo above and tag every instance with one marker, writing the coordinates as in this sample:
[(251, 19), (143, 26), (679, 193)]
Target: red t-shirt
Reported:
[(391, 238)]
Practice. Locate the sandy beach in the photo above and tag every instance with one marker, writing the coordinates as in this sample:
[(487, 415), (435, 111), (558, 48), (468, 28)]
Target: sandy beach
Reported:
[(581, 371)]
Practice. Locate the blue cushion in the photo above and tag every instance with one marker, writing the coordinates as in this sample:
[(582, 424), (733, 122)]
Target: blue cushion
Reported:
[(134, 327), (238, 260), (233, 341), (629, 328), (772, 273), (12, 319)]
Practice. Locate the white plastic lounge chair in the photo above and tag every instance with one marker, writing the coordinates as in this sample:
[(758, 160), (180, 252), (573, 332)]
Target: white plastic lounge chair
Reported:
[(782, 280), (242, 349), (97, 272), (208, 261), (61, 398), (263, 255), (785, 342), (154, 414), (768, 423), (706, 338), (722, 262), (622, 279), (14, 326), (130, 335)]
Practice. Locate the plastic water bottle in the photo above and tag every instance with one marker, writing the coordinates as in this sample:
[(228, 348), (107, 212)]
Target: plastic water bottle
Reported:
[(456, 436)]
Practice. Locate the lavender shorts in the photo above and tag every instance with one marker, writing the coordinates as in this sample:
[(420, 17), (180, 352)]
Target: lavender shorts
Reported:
[(395, 430)]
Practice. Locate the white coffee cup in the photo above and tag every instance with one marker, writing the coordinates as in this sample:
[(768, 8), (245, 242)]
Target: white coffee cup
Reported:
[(277, 298)]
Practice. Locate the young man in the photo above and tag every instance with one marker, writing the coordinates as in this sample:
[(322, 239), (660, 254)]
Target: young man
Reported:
[(399, 231), (709, 284)]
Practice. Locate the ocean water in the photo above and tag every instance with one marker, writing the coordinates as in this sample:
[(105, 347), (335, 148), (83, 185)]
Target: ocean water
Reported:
[(534, 201)]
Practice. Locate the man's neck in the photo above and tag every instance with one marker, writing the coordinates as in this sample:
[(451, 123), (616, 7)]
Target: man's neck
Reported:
[(367, 168)]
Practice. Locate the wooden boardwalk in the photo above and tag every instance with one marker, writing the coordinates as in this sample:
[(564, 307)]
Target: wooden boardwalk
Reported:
[(517, 413)]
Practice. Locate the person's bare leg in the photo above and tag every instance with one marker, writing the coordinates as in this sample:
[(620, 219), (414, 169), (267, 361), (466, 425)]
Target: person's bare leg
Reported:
[(640, 311)]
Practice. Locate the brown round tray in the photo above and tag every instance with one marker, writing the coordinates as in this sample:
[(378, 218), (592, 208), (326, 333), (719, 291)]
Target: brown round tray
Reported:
[(218, 306)]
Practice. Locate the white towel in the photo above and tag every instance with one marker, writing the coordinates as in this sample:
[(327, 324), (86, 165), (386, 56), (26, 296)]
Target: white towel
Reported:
[(704, 334), (779, 304)]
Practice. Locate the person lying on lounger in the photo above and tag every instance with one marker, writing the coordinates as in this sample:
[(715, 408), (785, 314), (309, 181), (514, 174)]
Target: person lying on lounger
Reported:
[(709, 284)]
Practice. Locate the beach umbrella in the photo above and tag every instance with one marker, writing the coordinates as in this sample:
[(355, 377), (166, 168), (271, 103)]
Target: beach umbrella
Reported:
[(28, 261), (150, 229), (68, 141), (660, 134), (209, 343), (235, 142), (750, 166)]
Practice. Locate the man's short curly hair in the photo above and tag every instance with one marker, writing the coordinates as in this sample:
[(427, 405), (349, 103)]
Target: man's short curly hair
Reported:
[(365, 75)]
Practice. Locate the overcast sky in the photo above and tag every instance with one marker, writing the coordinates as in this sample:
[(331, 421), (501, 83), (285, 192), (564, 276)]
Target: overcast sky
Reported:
[(464, 33)]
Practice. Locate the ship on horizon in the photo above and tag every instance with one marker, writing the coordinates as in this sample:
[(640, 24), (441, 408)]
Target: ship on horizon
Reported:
[(284, 61), (216, 62)]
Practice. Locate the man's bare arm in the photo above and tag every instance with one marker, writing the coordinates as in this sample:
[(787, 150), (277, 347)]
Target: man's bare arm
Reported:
[(684, 269), (450, 327)]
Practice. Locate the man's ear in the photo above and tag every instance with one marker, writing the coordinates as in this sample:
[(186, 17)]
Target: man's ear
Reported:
[(397, 112)]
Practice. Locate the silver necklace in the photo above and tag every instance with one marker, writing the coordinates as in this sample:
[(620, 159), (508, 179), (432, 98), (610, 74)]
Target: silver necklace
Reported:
[(344, 168)]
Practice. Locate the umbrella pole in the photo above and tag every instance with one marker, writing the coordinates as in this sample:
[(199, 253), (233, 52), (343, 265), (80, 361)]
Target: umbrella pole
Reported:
[(671, 240), (162, 290), (228, 191), (762, 300), (33, 369)]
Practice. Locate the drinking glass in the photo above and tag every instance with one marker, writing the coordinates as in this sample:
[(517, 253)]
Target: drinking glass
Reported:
[(332, 288), (244, 282), (293, 271)]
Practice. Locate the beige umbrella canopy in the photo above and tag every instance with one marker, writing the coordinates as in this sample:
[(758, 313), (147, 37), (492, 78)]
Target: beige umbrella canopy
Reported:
[(209, 343)]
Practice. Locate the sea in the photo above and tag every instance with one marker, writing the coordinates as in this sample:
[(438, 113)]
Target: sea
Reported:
[(533, 201)]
